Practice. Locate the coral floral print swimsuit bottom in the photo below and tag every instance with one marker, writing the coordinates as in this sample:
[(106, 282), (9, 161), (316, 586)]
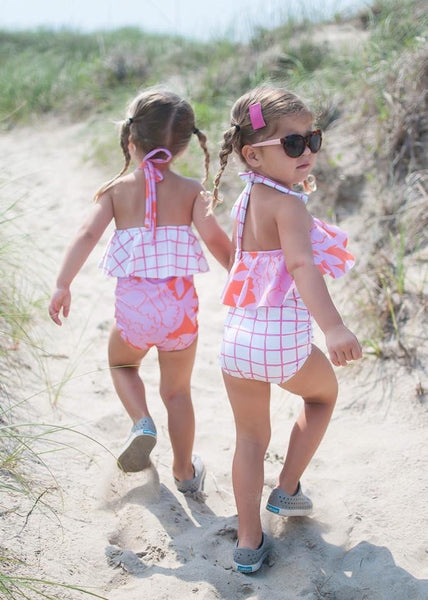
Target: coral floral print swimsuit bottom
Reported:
[(268, 329), (156, 301)]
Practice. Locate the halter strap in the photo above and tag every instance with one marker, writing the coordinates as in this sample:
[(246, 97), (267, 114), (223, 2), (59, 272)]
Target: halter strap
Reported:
[(152, 176), (252, 177), (240, 209)]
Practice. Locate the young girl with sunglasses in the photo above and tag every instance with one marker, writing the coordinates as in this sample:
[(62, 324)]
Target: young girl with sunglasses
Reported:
[(154, 254), (274, 287)]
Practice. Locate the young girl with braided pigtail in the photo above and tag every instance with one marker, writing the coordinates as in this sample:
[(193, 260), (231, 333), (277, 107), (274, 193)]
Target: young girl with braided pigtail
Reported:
[(154, 254), (274, 288)]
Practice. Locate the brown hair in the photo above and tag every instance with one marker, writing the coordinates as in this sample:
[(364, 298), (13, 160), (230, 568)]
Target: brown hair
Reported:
[(158, 119), (275, 103)]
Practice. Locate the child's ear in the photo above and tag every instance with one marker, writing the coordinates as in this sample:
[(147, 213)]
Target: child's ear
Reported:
[(251, 156)]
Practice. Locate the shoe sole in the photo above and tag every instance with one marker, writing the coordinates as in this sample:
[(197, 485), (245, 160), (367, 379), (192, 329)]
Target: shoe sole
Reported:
[(136, 456), (202, 486), (284, 512)]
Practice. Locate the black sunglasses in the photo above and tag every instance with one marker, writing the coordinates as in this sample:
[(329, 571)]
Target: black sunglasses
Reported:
[(294, 145)]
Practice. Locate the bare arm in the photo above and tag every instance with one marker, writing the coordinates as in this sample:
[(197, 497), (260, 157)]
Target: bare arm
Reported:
[(215, 238), (294, 224), (76, 255)]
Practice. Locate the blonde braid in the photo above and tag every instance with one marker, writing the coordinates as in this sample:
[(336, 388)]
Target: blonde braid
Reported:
[(226, 149), (203, 144)]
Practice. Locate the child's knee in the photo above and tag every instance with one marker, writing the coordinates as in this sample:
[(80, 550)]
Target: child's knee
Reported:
[(327, 388), (254, 446), (258, 435), (327, 396), (174, 396)]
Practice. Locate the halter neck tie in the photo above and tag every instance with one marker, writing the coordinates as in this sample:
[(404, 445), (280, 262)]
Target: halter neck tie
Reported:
[(251, 177), (152, 176)]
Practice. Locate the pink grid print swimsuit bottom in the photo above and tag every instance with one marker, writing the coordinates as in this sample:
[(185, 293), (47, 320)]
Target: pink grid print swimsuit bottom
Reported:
[(268, 329), (156, 301)]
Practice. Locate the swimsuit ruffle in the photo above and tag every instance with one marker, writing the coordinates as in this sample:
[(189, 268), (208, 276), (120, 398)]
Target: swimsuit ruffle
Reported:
[(329, 247), (261, 278), (133, 252), (258, 279)]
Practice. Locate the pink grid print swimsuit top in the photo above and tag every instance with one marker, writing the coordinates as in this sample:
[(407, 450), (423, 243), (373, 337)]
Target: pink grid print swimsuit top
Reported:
[(260, 278), (151, 251)]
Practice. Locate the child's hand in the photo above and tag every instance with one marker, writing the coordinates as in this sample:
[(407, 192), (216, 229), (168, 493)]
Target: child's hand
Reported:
[(342, 345), (61, 299)]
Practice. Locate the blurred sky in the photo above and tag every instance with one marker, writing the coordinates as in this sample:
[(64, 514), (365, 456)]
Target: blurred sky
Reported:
[(197, 19)]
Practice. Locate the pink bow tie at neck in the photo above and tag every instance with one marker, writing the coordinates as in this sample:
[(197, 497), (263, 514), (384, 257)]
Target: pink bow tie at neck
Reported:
[(153, 176)]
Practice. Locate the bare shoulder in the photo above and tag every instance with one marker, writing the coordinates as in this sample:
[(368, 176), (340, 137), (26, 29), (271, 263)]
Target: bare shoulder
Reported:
[(123, 185), (273, 196), (187, 184), (286, 209)]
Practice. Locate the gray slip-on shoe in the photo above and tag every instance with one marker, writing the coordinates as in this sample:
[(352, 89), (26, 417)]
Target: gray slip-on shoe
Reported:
[(197, 483), (135, 455), (247, 560), (281, 503)]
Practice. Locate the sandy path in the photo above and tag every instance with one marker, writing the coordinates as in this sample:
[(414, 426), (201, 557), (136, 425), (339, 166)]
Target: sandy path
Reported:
[(134, 537)]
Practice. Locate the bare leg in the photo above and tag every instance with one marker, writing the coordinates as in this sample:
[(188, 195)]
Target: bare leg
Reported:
[(250, 401), (317, 384), (124, 363), (176, 370)]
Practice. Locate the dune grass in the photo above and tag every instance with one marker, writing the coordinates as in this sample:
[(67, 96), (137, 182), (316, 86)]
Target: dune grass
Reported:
[(13, 587), (27, 483), (76, 74)]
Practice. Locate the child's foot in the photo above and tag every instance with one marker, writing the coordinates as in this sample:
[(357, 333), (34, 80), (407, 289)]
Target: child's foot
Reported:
[(281, 503), (247, 560), (197, 483), (135, 455)]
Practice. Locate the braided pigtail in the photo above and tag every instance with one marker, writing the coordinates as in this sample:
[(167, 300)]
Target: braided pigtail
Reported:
[(203, 144), (229, 142), (125, 132)]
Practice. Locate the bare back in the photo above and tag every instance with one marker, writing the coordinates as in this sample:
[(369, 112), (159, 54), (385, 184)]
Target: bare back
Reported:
[(176, 196), (263, 215)]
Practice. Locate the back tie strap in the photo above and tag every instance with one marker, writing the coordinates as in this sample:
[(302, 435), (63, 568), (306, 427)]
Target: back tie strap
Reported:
[(153, 176)]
